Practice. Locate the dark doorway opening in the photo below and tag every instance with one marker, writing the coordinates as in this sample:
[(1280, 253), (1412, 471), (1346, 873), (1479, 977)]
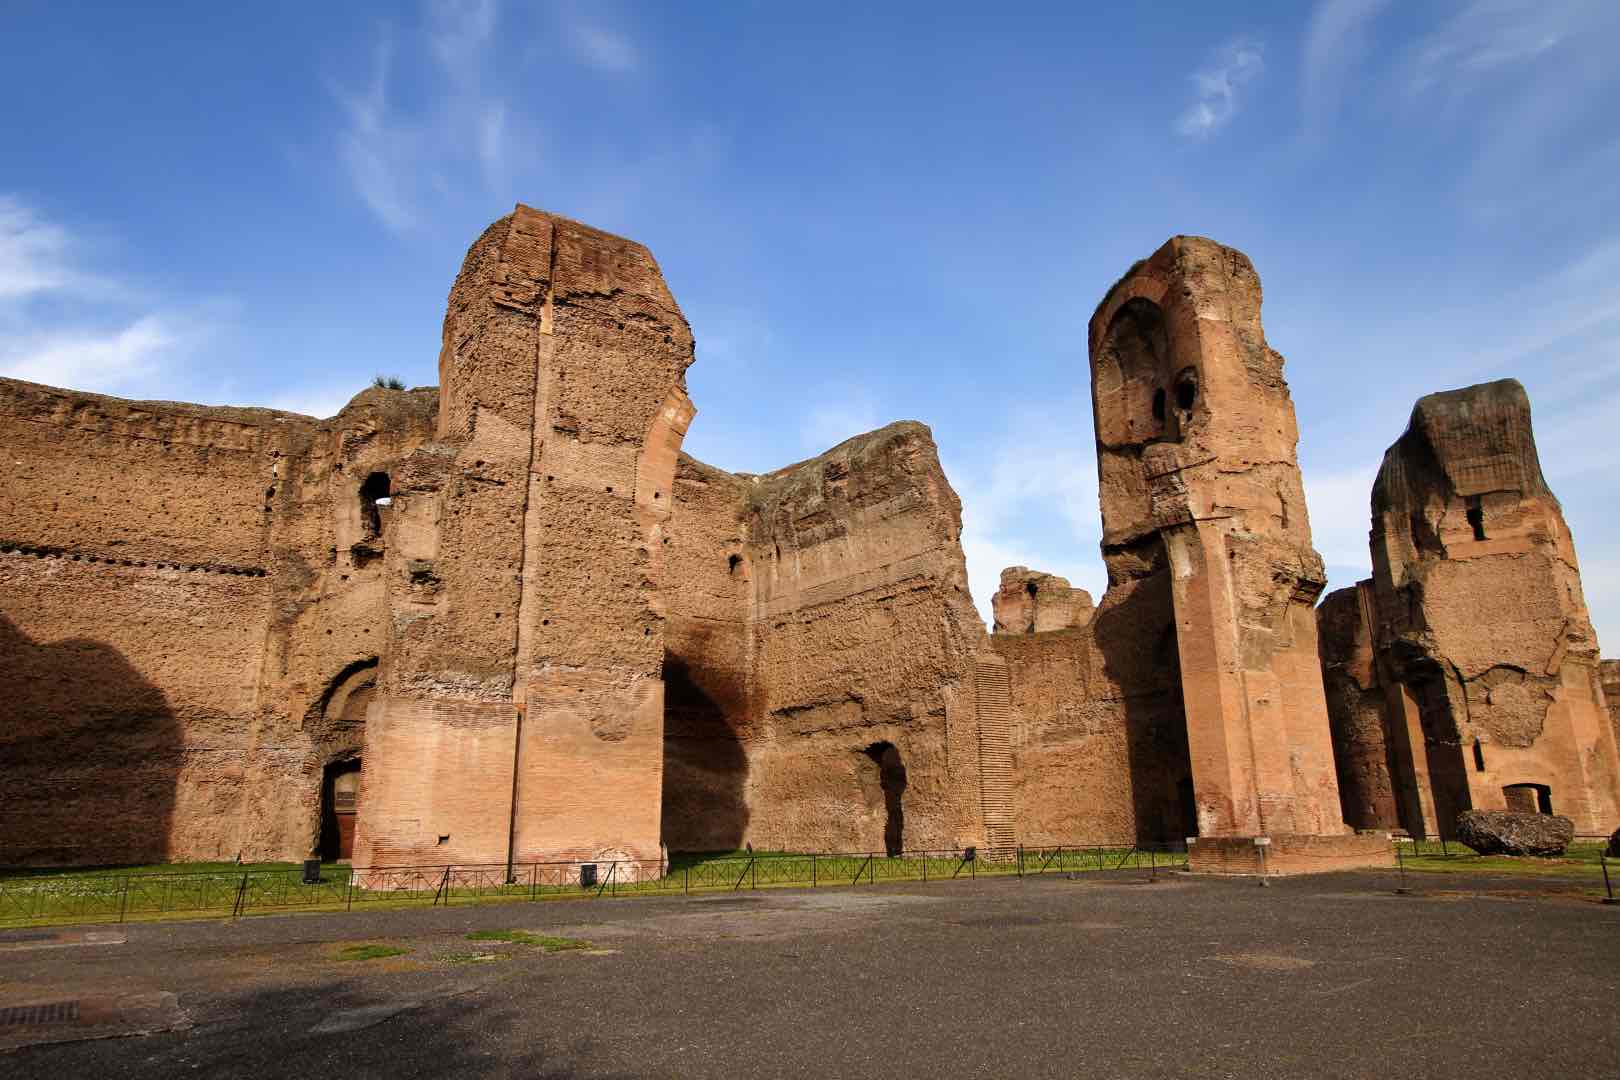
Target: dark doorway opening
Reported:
[(340, 809), (892, 773), (1528, 798)]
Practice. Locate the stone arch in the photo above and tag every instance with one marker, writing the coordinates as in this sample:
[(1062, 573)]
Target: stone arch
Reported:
[(335, 726), (1135, 380)]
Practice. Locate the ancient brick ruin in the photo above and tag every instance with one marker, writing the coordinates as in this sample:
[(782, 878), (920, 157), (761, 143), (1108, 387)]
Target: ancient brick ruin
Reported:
[(507, 619), (1464, 674)]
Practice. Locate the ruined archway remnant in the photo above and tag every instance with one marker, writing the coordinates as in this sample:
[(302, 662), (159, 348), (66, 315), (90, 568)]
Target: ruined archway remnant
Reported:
[(1471, 642), (1200, 488), (1031, 602)]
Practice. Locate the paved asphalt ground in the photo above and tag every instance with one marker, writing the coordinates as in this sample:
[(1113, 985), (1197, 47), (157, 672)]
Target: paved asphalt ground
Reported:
[(1105, 976)]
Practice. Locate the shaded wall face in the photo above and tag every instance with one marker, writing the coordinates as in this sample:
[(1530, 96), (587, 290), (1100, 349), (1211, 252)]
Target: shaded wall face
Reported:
[(817, 612), (1099, 741), (134, 597), (708, 718), (1356, 707)]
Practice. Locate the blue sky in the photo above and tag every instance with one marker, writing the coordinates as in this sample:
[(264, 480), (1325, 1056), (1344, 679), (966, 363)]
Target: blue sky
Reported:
[(867, 216)]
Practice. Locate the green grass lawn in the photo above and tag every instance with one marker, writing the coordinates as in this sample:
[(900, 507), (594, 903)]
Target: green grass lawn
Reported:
[(38, 897), (1582, 862)]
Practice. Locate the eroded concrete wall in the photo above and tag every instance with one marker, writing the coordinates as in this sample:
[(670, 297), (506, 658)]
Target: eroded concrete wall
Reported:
[(1031, 602), (183, 589), (1207, 539), (821, 615), (1484, 651), (520, 711)]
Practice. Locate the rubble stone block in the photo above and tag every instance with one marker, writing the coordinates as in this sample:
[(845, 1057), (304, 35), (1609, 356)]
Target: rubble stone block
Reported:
[(1500, 832)]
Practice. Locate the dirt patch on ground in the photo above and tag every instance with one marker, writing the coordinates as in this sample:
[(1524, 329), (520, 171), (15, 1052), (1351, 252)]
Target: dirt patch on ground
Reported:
[(1263, 961)]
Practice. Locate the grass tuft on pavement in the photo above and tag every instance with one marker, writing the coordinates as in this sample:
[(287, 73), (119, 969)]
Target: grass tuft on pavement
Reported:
[(547, 942), (370, 951)]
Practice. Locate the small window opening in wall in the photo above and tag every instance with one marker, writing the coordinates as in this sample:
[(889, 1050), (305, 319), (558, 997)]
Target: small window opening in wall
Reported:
[(1479, 756), (1186, 394), (1476, 517), (1158, 404), (732, 563), (445, 839), (373, 491)]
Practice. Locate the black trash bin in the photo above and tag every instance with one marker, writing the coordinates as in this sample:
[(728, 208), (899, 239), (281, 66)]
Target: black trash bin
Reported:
[(312, 871), (587, 875)]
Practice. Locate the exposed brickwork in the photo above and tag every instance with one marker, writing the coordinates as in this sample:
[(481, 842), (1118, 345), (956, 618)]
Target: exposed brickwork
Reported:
[(547, 634), (1472, 639), (179, 593)]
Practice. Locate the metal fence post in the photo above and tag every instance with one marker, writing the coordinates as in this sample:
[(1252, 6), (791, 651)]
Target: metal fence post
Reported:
[(348, 892), (813, 870), (123, 900), (1400, 861), (1608, 887)]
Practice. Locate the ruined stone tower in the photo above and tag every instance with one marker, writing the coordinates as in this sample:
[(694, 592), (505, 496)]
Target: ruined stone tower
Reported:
[(1207, 541), (1464, 674), (519, 711)]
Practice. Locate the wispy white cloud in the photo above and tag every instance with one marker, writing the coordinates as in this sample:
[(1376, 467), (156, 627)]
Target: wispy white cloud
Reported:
[(1335, 43), (84, 337), (121, 360), (848, 413), (33, 252), (601, 47), (458, 31), (1487, 36), (1220, 84), (378, 152), (399, 157)]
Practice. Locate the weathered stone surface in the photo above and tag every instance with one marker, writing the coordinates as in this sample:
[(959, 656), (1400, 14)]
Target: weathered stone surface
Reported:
[(1207, 539), (821, 620), (1472, 638), (1609, 675), (1499, 832), (191, 607), (1355, 703), (1030, 602), (548, 634)]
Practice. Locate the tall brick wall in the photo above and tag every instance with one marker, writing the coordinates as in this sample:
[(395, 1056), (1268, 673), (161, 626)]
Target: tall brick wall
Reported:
[(175, 607), (541, 529), (818, 613)]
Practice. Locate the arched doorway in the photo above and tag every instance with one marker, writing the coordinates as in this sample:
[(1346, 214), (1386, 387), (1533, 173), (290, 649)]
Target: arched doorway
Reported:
[(892, 776), (340, 809)]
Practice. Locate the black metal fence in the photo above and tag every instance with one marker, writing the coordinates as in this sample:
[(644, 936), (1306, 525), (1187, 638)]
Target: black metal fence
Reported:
[(42, 899), (48, 898)]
